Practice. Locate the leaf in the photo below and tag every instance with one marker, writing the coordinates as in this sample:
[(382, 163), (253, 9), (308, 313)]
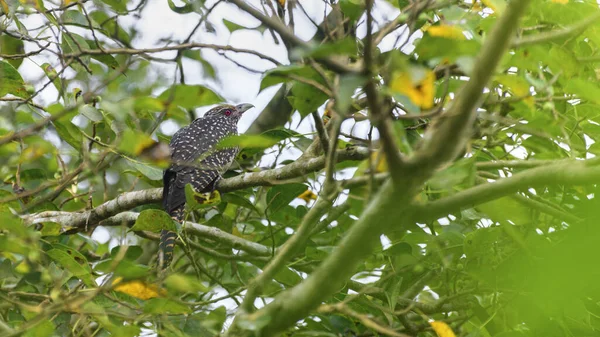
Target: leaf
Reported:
[(185, 284), (154, 220), (189, 96), (235, 199), (132, 253), (196, 200), (52, 75), (76, 18), (452, 32), (307, 196), (417, 84), (306, 98), (107, 59), (91, 113), (69, 133), (136, 288), (11, 81), (119, 6), (164, 306), (187, 8), (73, 43), (125, 269), (74, 262), (134, 142), (146, 170), (282, 74), (443, 49), (247, 141), (462, 171), (506, 208), (442, 329), (232, 26), (348, 85), (346, 46), (12, 46), (281, 195)]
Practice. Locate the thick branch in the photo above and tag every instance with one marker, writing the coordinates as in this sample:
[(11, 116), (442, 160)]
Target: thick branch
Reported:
[(127, 201), (390, 204), (562, 173)]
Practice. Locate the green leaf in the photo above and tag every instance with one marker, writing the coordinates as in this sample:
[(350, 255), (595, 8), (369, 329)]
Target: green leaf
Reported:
[(44, 329), (146, 170), (73, 43), (52, 75), (126, 269), (445, 49), (189, 96), (165, 306), (119, 6), (235, 199), (282, 74), (196, 200), (306, 98), (76, 18), (346, 46), (232, 26), (69, 133), (247, 141), (134, 142), (352, 9), (12, 46), (208, 69), (110, 26), (348, 85), (11, 81), (74, 262), (281, 195), (185, 284), (462, 171), (91, 113), (154, 220), (584, 89), (132, 253), (107, 59), (187, 8)]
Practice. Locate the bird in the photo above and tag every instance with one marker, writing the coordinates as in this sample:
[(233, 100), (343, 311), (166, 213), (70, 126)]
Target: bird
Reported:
[(196, 160)]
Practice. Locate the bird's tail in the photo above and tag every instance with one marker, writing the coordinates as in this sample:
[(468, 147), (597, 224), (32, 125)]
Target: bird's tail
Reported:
[(167, 240)]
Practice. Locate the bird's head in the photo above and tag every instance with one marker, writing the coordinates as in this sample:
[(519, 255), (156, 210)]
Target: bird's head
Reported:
[(230, 111)]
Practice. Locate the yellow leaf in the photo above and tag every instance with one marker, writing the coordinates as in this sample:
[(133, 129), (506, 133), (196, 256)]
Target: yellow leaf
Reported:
[(4, 6), (281, 2), (415, 85), (307, 196), (137, 289), (326, 116), (447, 31), (379, 162), (442, 329), (563, 2), (498, 6)]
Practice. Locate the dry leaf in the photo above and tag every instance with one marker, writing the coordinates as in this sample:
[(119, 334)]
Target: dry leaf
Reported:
[(137, 289), (442, 329), (420, 90), (447, 31)]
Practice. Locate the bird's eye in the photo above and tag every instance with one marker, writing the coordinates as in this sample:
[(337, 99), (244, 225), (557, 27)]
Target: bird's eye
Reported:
[(227, 112)]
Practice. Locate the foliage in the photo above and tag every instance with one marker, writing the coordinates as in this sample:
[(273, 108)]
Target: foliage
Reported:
[(471, 212)]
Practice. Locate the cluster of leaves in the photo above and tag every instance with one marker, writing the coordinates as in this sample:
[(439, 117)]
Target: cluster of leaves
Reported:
[(89, 129)]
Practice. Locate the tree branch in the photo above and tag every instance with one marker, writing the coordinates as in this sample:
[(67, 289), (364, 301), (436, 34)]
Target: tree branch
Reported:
[(564, 33), (389, 205)]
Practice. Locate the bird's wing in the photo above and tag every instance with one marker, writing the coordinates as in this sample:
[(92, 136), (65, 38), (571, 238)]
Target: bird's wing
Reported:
[(195, 141), (194, 159)]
